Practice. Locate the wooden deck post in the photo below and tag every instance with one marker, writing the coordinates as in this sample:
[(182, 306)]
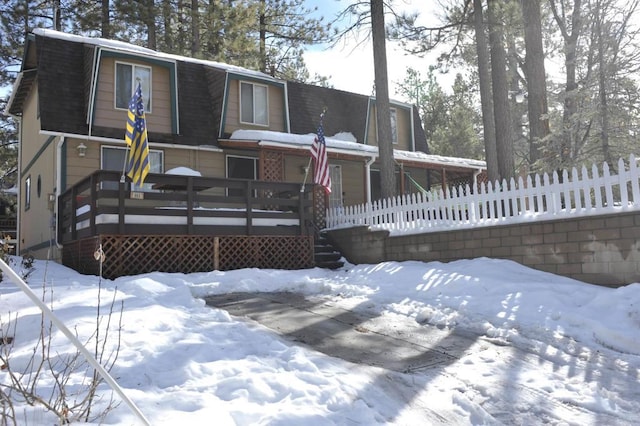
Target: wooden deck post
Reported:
[(216, 253)]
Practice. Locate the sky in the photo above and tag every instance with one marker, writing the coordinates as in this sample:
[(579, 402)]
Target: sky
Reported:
[(543, 348), (349, 64)]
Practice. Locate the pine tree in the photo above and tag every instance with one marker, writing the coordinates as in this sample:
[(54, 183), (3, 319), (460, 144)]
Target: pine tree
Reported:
[(284, 28)]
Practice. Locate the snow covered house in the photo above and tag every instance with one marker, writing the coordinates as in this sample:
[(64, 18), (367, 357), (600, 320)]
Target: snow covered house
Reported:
[(229, 149)]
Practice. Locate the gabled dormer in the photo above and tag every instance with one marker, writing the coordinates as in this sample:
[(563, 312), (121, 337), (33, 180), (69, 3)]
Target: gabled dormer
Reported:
[(115, 73), (253, 101), (405, 136), (352, 113)]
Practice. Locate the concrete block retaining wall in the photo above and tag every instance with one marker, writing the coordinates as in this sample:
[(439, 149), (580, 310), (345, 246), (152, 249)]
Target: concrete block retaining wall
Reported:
[(602, 250)]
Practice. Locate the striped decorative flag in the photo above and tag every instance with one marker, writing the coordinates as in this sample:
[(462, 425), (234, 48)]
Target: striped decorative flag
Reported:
[(321, 174), (136, 137)]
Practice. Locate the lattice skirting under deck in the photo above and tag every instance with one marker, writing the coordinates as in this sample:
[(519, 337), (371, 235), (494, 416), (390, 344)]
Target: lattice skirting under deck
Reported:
[(137, 254)]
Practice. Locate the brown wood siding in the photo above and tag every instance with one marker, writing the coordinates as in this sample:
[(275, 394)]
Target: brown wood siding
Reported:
[(158, 120), (80, 167), (276, 110), (35, 223), (293, 169), (208, 163), (353, 184), (404, 129), (403, 125), (353, 176)]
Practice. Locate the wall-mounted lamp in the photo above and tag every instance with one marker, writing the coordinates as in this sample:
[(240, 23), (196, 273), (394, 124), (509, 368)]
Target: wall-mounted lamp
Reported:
[(304, 169), (82, 150)]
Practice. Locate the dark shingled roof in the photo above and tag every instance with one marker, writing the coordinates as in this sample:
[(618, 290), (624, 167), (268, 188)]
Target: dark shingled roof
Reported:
[(63, 72), (346, 112), (60, 85), (197, 122), (64, 78)]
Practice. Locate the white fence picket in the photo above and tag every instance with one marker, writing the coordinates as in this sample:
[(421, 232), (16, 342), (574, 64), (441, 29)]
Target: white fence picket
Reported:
[(536, 198)]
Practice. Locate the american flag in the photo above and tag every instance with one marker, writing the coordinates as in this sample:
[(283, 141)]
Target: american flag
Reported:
[(136, 137), (321, 174)]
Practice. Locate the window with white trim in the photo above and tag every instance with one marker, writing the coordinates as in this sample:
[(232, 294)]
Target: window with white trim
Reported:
[(393, 113), (394, 125), (254, 104), (113, 158), (127, 77)]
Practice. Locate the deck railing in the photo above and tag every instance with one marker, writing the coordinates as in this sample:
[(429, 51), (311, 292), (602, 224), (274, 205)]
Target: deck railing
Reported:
[(531, 199), (182, 205)]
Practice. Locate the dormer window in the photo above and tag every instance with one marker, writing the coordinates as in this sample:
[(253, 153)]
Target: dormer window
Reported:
[(254, 104), (126, 80), (394, 125), (393, 112)]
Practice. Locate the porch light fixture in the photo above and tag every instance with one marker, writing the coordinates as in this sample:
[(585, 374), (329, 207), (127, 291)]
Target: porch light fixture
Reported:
[(82, 150), (304, 169)]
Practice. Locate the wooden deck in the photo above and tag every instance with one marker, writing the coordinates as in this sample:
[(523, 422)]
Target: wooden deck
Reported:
[(184, 224)]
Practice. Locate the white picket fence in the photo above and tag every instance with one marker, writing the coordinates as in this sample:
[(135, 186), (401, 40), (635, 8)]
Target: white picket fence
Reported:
[(525, 200)]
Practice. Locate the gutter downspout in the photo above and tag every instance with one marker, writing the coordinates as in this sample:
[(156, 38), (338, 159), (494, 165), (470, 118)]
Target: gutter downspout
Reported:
[(476, 173), (59, 146), (367, 178), (19, 186)]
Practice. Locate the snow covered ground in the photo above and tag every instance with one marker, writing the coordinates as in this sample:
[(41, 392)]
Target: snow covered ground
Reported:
[(545, 349)]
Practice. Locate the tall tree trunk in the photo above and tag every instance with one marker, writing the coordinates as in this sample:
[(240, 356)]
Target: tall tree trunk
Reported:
[(383, 111), (603, 106), (105, 20), (169, 33), (536, 78), (263, 36), (195, 28), (499, 82), (489, 129), (568, 138), (149, 18), (57, 19)]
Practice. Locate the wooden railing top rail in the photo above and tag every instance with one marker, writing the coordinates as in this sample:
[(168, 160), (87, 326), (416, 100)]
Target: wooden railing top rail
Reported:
[(195, 199)]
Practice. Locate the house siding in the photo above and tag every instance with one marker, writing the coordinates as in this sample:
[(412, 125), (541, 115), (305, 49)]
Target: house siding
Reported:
[(37, 162), (208, 163), (353, 184), (403, 123), (106, 115)]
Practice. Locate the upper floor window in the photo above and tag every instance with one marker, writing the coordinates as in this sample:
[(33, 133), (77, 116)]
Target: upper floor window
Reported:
[(127, 78), (254, 108), (394, 125)]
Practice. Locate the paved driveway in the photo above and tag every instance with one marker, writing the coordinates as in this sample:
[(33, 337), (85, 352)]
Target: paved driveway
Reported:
[(355, 336)]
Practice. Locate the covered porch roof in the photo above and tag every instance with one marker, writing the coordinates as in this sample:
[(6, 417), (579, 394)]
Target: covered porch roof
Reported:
[(345, 146)]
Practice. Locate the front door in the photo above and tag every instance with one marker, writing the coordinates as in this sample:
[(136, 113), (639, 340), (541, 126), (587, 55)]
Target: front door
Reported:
[(336, 195)]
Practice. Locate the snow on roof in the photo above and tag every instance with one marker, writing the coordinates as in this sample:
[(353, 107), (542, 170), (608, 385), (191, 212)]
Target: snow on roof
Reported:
[(345, 142), (139, 50)]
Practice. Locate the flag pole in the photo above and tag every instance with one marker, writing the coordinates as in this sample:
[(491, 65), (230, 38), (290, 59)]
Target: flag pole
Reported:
[(126, 153), (306, 172)]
